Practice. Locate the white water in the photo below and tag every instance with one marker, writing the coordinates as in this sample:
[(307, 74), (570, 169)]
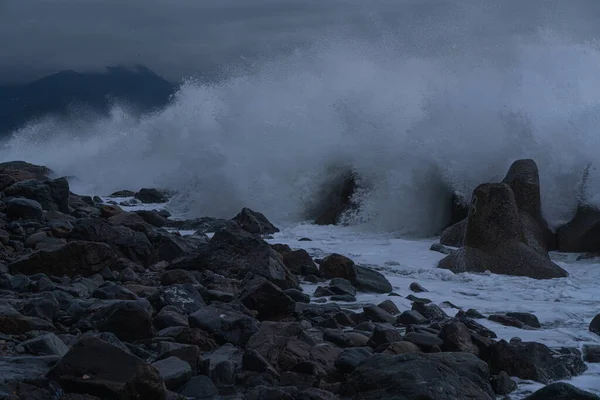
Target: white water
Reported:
[(270, 136)]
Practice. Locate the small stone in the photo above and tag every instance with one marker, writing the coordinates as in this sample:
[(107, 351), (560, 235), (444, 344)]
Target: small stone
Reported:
[(297, 295), (417, 288), (377, 314), (389, 306)]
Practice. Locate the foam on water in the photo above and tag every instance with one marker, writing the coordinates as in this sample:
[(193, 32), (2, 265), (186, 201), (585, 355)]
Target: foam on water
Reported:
[(564, 306)]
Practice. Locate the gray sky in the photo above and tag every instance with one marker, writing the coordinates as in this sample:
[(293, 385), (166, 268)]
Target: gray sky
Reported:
[(184, 37)]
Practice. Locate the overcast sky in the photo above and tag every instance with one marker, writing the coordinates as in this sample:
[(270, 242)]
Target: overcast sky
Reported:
[(184, 37)]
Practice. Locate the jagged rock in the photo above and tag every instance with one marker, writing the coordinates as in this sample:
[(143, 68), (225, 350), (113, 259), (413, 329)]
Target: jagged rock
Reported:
[(170, 246), (185, 298), (74, 258), (299, 262), (52, 195), (13, 322), (95, 367), (440, 376), (269, 300), (365, 279), (226, 325), (21, 170), (173, 371), (527, 360), (502, 384), (126, 242), (495, 241), (127, 320), (561, 391), (457, 337), (238, 254), (45, 345), (150, 196), (22, 208), (255, 222)]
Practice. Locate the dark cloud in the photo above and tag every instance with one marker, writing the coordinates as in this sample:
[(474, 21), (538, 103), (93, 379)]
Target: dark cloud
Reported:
[(185, 37)]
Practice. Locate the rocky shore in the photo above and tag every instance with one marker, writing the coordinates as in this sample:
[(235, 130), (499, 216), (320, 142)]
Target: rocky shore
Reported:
[(101, 303)]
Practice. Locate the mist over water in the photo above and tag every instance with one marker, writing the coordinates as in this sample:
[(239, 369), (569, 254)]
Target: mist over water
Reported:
[(414, 127)]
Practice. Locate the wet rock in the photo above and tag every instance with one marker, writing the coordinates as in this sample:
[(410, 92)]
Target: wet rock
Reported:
[(384, 334), (472, 313), (440, 376), (423, 340), (502, 384), (343, 298), (527, 360), (192, 336), (112, 291), (457, 337), (495, 241), (253, 361), (71, 259), (262, 392), (297, 295), (173, 371), (226, 325), (152, 217), (595, 325), (188, 353), (561, 391), (25, 368), (526, 318), (13, 322), (21, 208), (255, 222), (362, 278), (591, 353), (389, 306), (321, 291), (377, 314), (454, 235), (44, 345), (123, 193), (570, 358), (300, 262), (185, 298), (170, 316), (506, 320), (95, 367), (126, 242), (150, 196), (341, 286), (269, 300), (177, 276), (338, 199), (200, 387), (315, 394), (411, 317), (440, 248), (127, 320), (170, 246), (349, 359), (415, 287), (397, 348), (431, 312), (238, 254), (51, 195), (108, 210)]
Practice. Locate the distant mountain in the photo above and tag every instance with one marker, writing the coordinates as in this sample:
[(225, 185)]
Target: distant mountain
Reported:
[(56, 94)]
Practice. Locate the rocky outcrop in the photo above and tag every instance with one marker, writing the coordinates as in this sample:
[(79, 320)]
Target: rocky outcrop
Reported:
[(338, 200), (255, 222), (495, 241), (364, 279)]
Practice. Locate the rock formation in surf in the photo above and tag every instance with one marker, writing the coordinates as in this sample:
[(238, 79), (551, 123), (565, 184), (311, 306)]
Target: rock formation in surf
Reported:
[(495, 239), (338, 201), (523, 178)]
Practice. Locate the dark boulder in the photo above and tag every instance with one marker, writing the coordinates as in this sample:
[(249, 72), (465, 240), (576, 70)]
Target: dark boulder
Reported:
[(152, 217), (150, 196), (582, 233), (97, 368), (52, 195), (173, 371), (21, 170), (74, 258), (13, 322), (528, 360), (454, 235), (299, 262), (561, 391), (170, 246), (255, 222), (440, 376), (184, 297), (126, 242), (495, 241), (268, 300), (225, 325), (338, 200), (238, 254), (22, 208), (362, 278), (127, 320)]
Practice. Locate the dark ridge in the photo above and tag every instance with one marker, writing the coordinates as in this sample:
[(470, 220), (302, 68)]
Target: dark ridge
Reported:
[(55, 94)]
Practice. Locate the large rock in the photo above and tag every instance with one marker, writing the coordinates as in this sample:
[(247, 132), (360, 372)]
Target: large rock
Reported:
[(561, 391), (45, 345), (523, 178), (269, 300), (582, 233), (72, 259), (22, 208), (184, 297), (127, 320), (225, 325), (529, 360), (13, 322), (495, 241), (170, 246), (52, 195), (440, 376), (255, 222), (338, 200), (362, 278), (238, 254), (95, 367), (126, 242), (150, 196), (21, 170)]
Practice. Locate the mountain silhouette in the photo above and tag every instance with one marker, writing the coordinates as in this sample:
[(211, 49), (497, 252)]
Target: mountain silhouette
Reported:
[(56, 94)]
